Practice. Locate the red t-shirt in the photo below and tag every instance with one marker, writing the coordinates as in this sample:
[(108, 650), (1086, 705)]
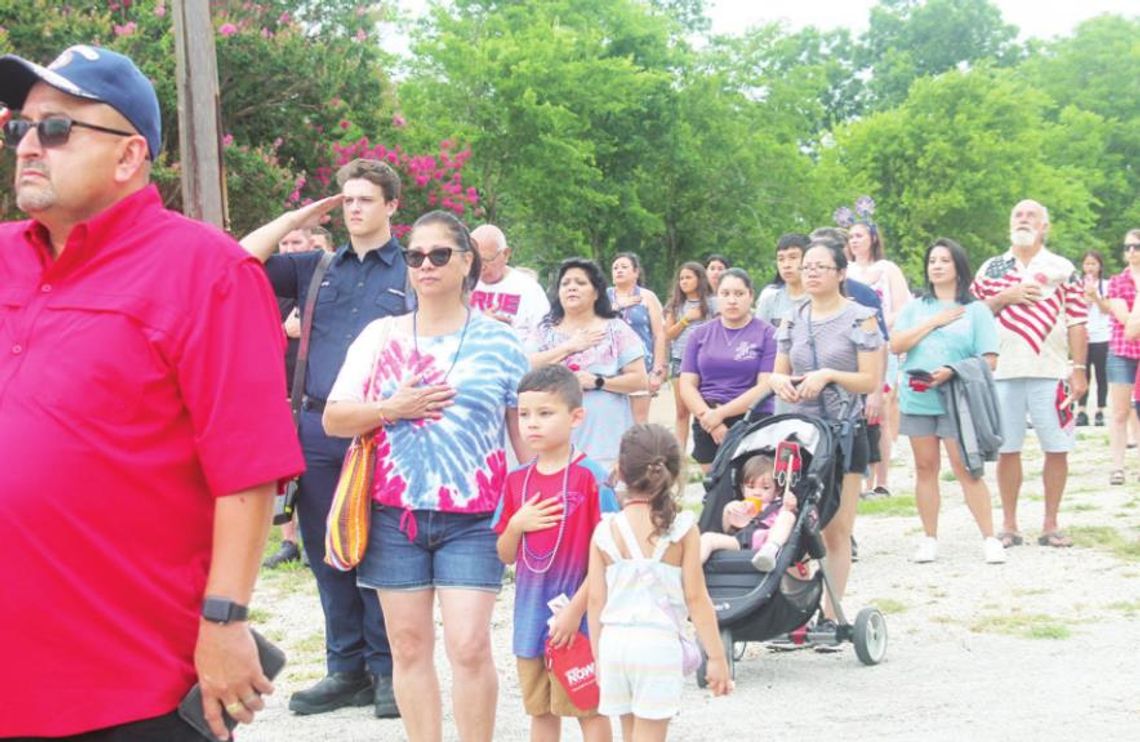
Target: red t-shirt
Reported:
[(140, 378)]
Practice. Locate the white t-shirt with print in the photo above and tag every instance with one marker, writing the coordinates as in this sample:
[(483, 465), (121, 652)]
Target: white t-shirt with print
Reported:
[(517, 296)]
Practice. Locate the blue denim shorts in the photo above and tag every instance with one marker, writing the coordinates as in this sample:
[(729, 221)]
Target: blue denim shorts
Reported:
[(1120, 370), (448, 550)]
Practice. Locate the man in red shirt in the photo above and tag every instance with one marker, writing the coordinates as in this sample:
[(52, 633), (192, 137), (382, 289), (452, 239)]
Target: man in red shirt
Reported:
[(142, 424)]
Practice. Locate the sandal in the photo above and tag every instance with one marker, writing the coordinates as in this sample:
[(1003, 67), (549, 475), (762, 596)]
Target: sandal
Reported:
[(1055, 539), (1010, 538), (1116, 477)]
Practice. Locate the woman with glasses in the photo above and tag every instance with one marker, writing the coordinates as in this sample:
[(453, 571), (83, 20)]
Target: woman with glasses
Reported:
[(943, 326), (641, 310), (438, 389), (584, 333), (830, 351), (1123, 354), (726, 366)]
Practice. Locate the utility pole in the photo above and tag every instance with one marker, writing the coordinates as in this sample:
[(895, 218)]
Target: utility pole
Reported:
[(199, 111)]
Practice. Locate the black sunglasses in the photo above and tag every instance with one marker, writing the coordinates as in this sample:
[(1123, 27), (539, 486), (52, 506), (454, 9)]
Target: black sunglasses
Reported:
[(54, 131), (439, 256), (1130, 246)]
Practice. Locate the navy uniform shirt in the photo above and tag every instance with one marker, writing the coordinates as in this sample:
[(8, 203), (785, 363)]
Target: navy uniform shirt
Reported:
[(352, 293)]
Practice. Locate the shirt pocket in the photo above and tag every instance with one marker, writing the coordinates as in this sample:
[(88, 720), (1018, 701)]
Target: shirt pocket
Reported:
[(391, 301), (104, 360)]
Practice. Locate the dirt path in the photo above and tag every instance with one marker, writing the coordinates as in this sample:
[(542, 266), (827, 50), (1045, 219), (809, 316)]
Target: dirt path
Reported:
[(1041, 647)]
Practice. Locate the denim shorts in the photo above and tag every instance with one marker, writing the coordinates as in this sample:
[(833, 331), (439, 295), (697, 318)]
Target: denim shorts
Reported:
[(1121, 370), (446, 550)]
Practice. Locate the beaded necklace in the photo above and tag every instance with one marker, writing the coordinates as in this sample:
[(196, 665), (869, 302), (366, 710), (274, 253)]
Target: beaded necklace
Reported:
[(462, 336), (527, 554)]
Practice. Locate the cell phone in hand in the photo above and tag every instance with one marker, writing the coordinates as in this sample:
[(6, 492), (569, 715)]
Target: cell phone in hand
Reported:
[(272, 659), (918, 373)]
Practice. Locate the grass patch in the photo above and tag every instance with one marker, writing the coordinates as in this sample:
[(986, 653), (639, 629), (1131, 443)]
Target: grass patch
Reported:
[(900, 505), (947, 475), (259, 615), (311, 644), (1029, 625), (1082, 507), (1107, 539), (890, 605), (1133, 503), (1021, 591), (1127, 607)]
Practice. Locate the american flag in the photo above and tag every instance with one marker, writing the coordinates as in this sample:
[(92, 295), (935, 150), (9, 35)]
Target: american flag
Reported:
[(1061, 293)]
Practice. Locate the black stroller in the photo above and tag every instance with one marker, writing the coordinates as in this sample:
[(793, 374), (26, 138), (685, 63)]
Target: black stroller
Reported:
[(756, 606)]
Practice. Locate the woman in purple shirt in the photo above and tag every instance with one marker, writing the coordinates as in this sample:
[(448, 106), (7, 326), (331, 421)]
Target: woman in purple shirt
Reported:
[(726, 365)]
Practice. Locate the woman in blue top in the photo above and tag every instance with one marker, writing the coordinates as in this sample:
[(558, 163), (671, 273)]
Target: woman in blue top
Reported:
[(943, 326), (641, 310)]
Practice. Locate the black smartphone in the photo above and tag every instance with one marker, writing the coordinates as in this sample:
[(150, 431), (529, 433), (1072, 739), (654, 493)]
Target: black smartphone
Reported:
[(272, 660), (919, 374)]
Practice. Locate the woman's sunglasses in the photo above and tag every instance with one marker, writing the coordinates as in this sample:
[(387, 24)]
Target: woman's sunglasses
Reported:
[(1130, 246), (439, 256), (53, 131)]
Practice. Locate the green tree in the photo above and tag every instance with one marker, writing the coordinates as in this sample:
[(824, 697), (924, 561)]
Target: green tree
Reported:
[(1097, 71), (910, 39), (955, 157), (278, 96)]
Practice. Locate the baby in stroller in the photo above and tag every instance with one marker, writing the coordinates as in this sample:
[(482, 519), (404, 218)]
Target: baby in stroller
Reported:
[(761, 520)]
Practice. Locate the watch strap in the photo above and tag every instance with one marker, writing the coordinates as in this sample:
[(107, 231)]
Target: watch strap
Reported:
[(223, 610)]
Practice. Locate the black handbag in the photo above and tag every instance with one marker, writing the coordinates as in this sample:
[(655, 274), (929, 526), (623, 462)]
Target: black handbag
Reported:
[(286, 502)]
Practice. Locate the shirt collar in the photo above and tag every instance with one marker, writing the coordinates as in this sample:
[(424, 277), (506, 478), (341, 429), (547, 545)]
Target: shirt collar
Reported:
[(117, 218), (386, 252)]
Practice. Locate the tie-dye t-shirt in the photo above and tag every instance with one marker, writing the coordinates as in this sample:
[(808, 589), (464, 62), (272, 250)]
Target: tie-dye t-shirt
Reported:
[(457, 463), (546, 566), (608, 414)]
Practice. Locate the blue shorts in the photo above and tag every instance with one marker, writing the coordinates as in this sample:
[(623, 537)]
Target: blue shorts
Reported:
[(1121, 370), (448, 550), (1037, 399)]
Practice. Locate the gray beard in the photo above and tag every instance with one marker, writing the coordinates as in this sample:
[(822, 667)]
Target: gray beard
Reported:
[(30, 200), (1022, 238)]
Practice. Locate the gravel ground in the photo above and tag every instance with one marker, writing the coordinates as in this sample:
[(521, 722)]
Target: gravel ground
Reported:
[(1039, 647)]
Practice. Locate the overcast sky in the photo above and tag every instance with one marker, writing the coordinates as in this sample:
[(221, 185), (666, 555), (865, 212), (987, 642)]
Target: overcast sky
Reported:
[(1041, 18)]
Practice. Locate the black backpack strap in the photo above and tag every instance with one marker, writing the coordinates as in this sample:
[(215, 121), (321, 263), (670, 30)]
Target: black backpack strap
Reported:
[(297, 389)]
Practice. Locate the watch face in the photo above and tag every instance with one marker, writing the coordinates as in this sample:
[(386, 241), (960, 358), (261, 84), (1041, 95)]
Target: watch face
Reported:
[(599, 382)]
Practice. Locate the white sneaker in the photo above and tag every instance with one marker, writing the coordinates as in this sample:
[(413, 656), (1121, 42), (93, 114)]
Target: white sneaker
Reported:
[(765, 559), (994, 551), (927, 550)]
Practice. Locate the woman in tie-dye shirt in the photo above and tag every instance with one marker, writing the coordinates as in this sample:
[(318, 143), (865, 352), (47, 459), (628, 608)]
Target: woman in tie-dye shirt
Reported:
[(438, 388)]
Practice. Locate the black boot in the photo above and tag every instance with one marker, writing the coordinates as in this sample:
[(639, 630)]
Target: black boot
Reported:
[(287, 552), (336, 690), (384, 697)]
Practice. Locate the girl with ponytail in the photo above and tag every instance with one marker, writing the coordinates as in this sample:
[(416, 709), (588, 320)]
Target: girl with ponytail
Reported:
[(645, 557)]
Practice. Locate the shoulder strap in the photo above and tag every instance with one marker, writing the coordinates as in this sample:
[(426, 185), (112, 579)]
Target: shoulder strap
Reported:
[(297, 388), (627, 534)]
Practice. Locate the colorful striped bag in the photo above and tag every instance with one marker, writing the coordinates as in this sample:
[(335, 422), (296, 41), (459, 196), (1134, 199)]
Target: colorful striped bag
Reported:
[(346, 534), (346, 530)]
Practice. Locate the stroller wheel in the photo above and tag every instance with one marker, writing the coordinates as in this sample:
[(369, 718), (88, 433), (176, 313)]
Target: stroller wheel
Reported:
[(729, 656), (870, 636)]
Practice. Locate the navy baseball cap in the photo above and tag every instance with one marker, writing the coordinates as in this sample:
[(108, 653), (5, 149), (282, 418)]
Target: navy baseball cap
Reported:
[(91, 73)]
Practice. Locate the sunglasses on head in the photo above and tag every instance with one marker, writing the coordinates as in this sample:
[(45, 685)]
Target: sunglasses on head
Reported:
[(439, 256), (54, 131)]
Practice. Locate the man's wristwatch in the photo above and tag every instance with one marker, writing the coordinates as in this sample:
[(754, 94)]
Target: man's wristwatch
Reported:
[(599, 381), (223, 610)]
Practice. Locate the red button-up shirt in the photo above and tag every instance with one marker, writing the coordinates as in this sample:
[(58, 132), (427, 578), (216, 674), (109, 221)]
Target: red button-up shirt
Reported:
[(140, 378)]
